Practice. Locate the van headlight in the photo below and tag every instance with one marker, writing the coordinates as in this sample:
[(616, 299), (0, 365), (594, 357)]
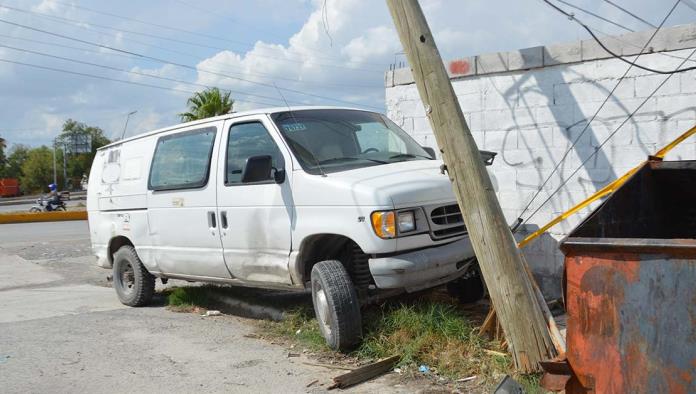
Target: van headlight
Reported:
[(386, 223)]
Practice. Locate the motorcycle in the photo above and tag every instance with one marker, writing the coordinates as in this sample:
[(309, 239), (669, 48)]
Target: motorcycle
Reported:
[(41, 206)]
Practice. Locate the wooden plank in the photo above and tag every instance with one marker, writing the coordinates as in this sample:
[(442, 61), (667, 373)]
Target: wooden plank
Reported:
[(364, 373)]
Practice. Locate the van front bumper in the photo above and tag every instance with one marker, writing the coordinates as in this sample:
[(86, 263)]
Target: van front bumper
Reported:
[(423, 268)]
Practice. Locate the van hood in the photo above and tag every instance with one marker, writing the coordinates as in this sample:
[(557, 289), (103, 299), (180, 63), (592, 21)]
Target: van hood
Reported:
[(397, 185)]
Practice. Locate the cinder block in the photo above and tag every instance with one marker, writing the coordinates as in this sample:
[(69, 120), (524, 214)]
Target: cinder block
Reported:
[(421, 125), (500, 141), (562, 53), (466, 86), (591, 50), (687, 82), (561, 115), (492, 63), (681, 107), (462, 67), (470, 102), (526, 58), (388, 79), (403, 76)]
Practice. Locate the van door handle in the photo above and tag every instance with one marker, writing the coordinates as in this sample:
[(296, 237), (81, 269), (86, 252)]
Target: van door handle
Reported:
[(212, 222), (223, 220)]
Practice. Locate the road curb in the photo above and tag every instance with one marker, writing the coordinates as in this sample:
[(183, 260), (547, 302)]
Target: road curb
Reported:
[(8, 218)]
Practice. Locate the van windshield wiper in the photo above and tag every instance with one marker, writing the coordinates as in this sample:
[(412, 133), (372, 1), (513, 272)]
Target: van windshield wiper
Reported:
[(408, 155), (351, 158)]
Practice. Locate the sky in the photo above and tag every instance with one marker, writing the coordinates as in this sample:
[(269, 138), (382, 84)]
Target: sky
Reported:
[(96, 61)]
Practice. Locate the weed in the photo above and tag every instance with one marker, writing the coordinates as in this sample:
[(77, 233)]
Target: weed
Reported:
[(186, 299)]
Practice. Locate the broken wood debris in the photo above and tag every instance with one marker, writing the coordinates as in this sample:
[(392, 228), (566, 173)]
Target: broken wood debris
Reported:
[(329, 366), (312, 383), (364, 373)]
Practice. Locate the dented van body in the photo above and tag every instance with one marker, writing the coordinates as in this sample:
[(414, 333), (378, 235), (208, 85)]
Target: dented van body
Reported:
[(259, 198)]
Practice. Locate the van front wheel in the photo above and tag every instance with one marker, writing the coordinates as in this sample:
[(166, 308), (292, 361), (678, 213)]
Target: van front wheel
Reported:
[(336, 305), (134, 285)]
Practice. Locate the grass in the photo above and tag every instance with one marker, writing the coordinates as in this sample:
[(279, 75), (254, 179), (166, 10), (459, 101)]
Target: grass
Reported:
[(187, 299), (423, 331)]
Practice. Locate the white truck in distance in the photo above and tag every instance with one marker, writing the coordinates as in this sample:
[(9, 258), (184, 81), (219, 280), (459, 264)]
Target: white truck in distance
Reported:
[(339, 201)]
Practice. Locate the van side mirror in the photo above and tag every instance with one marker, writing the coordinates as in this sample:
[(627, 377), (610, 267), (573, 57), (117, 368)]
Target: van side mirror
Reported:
[(430, 151), (257, 169)]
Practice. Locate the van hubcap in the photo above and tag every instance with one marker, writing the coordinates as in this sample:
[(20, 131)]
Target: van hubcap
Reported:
[(126, 277), (323, 311)]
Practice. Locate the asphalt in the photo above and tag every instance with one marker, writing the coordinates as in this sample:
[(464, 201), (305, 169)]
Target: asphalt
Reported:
[(63, 330)]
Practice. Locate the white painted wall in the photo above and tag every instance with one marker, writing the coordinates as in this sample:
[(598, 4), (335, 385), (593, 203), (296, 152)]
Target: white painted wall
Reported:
[(530, 117)]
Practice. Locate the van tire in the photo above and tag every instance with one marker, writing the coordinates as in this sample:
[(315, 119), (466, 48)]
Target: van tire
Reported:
[(336, 305), (134, 285)]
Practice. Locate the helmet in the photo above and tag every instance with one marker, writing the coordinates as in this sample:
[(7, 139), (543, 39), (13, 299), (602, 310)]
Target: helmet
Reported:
[(52, 187)]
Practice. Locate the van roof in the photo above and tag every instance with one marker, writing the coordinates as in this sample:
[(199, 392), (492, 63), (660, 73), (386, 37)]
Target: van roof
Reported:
[(270, 110)]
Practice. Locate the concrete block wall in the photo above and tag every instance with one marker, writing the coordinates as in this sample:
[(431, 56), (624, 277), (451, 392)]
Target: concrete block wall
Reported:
[(531, 105)]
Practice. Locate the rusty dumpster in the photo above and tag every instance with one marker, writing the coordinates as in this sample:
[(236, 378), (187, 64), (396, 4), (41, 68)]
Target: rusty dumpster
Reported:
[(630, 287)]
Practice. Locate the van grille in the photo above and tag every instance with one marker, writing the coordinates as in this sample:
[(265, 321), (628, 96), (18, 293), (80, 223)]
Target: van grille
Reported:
[(446, 221)]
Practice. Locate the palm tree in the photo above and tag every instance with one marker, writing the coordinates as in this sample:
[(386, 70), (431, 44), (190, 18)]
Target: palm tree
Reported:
[(210, 102)]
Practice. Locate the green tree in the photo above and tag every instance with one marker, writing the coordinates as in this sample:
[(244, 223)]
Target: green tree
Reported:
[(74, 132), (208, 103), (17, 156), (37, 170)]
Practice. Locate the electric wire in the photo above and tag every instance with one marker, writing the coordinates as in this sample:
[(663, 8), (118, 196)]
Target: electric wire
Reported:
[(587, 124), (181, 65), (606, 140), (609, 51), (193, 33), (630, 13), (81, 24), (595, 15), (253, 74), (132, 72), (118, 80)]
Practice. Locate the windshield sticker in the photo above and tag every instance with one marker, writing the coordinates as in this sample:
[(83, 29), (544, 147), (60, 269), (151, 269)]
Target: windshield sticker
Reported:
[(290, 127)]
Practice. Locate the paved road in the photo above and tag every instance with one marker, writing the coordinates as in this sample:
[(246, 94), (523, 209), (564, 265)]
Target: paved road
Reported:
[(26, 207), (63, 330)]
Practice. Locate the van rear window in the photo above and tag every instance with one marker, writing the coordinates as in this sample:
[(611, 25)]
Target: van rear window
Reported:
[(182, 160)]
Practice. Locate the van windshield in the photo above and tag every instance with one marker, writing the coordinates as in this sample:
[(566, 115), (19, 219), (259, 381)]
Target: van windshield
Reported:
[(332, 140)]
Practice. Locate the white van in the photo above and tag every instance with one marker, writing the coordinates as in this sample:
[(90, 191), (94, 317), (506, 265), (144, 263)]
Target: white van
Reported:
[(336, 200)]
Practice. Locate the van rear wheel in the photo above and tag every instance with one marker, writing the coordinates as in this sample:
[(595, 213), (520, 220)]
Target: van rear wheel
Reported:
[(134, 285), (336, 305)]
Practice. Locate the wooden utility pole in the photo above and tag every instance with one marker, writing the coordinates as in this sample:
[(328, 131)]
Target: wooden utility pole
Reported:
[(500, 260)]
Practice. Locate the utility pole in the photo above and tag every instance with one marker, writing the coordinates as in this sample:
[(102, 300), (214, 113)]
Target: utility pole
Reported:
[(55, 172), (501, 264), (65, 166)]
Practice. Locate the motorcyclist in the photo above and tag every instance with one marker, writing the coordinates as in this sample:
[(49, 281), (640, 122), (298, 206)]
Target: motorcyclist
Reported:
[(53, 198)]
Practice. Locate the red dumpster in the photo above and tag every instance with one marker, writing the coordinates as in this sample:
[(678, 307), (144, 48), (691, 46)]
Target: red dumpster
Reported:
[(9, 187), (630, 272)]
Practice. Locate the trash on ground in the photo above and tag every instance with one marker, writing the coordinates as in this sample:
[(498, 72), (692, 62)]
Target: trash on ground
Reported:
[(424, 369), (464, 380), (364, 373), (293, 354), (213, 313)]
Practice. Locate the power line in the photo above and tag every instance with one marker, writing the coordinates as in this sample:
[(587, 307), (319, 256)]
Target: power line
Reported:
[(80, 24), (595, 15), (291, 80), (607, 139), (609, 51), (630, 13), (129, 71), (181, 65), (178, 29), (587, 125), (117, 80)]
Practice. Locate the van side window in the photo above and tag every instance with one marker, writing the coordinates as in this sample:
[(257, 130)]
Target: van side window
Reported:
[(246, 140), (182, 160)]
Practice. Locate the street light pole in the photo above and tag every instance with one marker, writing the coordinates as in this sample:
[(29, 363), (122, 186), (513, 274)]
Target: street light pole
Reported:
[(126, 125), (55, 173)]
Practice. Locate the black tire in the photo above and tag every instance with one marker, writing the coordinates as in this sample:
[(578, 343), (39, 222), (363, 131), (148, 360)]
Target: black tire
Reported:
[(469, 288), (34, 209), (134, 285), (60, 208), (340, 322)]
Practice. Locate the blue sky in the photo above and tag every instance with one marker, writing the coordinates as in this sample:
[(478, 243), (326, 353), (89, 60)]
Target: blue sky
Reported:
[(332, 52)]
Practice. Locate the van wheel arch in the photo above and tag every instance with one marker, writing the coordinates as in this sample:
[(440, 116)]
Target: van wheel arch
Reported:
[(115, 244), (322, 247)]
